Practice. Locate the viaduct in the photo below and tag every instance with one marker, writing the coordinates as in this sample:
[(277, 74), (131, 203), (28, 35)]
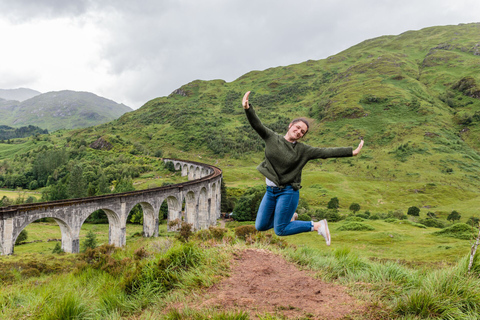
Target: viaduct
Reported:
[(201, 195)]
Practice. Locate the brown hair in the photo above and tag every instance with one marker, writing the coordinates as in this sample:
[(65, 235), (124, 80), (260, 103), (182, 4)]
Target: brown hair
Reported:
[(302, 120)]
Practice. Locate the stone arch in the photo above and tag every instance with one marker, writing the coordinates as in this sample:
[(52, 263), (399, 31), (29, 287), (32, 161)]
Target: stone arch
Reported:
[(203, 209), (177, 165), (174, 211), (174, 208), (197, 174), (150, 220), (184, 170), (191, 209), (65, 230)]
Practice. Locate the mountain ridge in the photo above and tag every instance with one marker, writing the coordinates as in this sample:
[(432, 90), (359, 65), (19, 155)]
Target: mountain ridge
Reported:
[(66, 109), (18, 94)]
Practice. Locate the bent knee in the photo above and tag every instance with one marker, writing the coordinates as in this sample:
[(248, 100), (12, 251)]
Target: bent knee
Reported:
[(280, 232)]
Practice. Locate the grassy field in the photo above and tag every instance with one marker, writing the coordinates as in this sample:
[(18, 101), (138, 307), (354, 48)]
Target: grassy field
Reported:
[(14, 194), (397, 241), (399, 270)]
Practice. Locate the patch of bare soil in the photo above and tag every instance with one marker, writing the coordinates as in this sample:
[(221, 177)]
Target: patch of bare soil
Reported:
[(264, 283)]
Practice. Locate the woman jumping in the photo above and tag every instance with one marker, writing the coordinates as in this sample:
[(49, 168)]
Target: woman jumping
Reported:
[(285, 158)]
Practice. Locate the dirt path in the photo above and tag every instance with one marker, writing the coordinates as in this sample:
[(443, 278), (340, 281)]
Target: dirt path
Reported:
[(262, 282)]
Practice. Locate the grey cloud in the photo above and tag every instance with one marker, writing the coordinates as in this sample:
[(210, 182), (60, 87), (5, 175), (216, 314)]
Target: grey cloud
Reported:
[(24, 10), (153, 47)]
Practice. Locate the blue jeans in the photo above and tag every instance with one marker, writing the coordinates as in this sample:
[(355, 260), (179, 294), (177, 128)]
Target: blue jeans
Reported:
[(276, 210)]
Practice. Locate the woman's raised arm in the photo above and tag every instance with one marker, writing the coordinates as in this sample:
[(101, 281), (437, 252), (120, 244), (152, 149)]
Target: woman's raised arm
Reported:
[(245, 100)]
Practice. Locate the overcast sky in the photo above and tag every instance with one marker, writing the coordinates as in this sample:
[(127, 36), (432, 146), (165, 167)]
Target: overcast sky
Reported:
[(133, 51)]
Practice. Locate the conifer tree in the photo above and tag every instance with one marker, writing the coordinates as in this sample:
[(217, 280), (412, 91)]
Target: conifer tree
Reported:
[(90, 241)]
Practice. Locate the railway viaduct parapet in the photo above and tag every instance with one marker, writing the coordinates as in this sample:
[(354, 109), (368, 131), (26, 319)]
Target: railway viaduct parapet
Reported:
[(201, 196)]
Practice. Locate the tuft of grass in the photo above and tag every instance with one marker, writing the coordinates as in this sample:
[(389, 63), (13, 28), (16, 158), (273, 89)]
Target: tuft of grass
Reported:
[(70, 306)]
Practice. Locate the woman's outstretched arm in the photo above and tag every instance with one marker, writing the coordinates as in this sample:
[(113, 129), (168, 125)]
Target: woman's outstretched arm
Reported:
[(357, 151)]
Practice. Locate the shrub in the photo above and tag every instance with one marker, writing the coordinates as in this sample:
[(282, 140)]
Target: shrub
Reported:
[(374, 217), (185, 231), (243, 232), (330, 214), (362, 215), (355, 219), (334, 203), (304, 217), (413, 211), (58, 248), (397, 214), (217, 232), (203, 235), (459, 231), (432, 223), (473, 221), (355, 226)]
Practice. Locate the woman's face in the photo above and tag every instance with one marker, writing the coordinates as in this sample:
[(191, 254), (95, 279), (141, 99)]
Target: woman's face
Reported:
[(296, 131)]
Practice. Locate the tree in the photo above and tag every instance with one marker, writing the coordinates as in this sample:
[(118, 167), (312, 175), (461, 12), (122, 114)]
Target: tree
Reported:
[(77, 186), (413, 211), (103, 187), (136, 215), (124, 185), (57, 249), (354, 207), (56, 191), (247, 206), (223, 197), (454, 216), (333, 203), (90, 241)]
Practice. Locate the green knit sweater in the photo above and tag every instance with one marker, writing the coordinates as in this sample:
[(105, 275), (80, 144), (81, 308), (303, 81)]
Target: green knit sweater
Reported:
[(284, 160)]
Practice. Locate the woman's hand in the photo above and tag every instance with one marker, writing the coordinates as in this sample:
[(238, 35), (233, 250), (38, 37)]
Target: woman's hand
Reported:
[(245, 100), (357, 151)]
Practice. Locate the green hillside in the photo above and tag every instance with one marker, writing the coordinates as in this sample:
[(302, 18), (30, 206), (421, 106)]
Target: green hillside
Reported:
[(414, 97)]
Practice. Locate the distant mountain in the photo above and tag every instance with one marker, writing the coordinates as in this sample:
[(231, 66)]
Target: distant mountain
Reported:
[(20, 94), (61, 110)]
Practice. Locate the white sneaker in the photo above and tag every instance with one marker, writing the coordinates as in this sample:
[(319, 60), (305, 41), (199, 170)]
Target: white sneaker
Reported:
[(324, 232)]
